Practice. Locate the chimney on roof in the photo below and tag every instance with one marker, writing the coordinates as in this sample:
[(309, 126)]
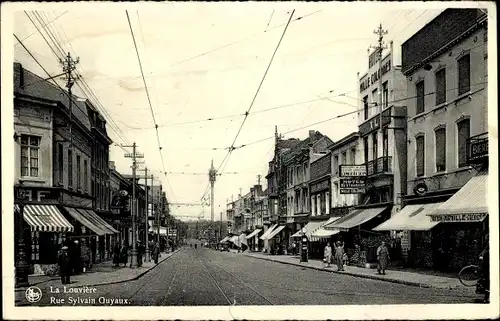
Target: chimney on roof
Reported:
[(18, 76), (112, 165)]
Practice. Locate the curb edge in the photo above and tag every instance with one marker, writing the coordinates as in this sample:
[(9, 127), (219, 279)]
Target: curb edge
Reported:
[(372, 277)]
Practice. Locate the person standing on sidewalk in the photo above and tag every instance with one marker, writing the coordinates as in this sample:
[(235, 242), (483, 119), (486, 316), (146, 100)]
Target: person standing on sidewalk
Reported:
[(140, 253), (339, 255), (64, 265), (124, 254), (328, 254), (382, 257)]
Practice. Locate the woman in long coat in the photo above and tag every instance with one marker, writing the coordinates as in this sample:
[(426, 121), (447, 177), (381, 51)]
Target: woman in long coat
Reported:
[(328, 254), (124, 255), (382, 257), (339, 255)]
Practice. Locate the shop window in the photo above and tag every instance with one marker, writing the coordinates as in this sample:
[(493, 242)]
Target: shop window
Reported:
[(440, 149), (336, 165), (375, 146), (365, 149), (420, 157), (375, 99), (385, 142), (344, 158), (441, 86), (420, 89), (30, 150), (464, 75), (463, 131)]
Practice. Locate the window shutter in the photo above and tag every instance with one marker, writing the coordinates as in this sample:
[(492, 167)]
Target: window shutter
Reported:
[(420, 155), (464, 75), (440, 149), (463, 134)]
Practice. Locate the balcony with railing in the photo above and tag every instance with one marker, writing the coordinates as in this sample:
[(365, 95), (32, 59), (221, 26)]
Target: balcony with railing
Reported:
[(381, 165)]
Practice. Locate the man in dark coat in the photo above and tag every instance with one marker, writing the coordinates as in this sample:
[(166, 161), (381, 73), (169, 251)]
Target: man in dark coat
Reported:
[(140, 253), (155, 251), (64, 265), (116, 254)]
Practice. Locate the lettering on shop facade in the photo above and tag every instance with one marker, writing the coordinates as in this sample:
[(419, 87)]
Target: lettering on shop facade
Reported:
[(352, 185), (478, 149), (475, 217), (34, 195), (368, 81), (374, 123)]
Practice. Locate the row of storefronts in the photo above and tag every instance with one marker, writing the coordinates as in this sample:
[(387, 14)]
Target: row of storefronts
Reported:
[(67, 192), (415, 175)]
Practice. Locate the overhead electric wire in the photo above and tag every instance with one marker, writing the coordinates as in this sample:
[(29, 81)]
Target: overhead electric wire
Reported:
[(226, 158), (149, 101), (33, 33), (57, 44)]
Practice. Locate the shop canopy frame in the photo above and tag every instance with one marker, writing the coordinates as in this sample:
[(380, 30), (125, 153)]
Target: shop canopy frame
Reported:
[(356, 218), (413, 217), (323, 232)]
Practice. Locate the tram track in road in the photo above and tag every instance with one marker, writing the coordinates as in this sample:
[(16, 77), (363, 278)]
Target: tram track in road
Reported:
[(233, 278), (215, 282)]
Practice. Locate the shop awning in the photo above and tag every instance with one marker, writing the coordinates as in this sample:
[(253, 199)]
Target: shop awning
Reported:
[(45, 218), (323, 232), (243, 239), (257, 231), (356, 218), (224, 239), (310, 228), (234, 239), (97, 221), (411, 218), (469, 204), (82, 218), (269, 231), (275, 232)]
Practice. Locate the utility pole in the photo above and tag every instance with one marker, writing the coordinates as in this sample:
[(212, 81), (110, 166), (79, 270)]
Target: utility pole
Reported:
[(258, 179), (134, 155), (212, 174), (160, 202), (69, 65)]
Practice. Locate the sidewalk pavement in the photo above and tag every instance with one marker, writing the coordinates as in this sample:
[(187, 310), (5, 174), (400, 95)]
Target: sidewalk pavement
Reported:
[(402, 277), (101, 274)]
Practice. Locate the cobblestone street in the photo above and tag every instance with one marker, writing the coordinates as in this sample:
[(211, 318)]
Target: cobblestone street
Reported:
[(206, 277)]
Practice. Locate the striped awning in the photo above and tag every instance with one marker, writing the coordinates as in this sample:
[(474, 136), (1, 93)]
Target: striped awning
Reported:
[(45, 218), (234, 239), (310, 228), (324, 232), (469, 204), (411, 218), (73, 212), (99, 222), (257, 231), (269, 231), (243, 239), (275, 232)]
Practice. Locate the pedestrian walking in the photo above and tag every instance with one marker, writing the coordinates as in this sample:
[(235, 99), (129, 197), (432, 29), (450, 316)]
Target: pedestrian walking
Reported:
[(328, 255), (64, 265), (116, 254), (155, 251), (339, 255), (382, 257)]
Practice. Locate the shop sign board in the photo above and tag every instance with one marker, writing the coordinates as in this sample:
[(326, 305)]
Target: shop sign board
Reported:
[(352, 170), (36, 195), (478, 149), (374, 122), (453, 218), (352, 185)]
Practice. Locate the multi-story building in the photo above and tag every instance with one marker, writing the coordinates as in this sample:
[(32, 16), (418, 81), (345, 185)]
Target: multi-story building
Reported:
[(382, 176), (343, 152), (53, 161), (120, 204), (294, 196), (447, 141)]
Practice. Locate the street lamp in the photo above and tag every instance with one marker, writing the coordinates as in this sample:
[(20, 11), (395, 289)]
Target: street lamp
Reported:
[(304, 246)]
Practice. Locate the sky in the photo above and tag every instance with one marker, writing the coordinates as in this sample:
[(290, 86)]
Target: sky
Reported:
[(206, 60)]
